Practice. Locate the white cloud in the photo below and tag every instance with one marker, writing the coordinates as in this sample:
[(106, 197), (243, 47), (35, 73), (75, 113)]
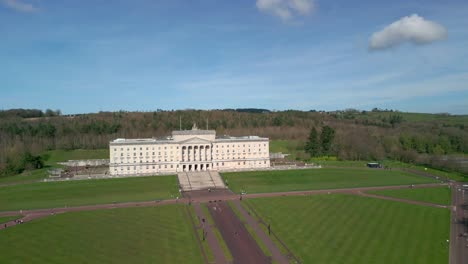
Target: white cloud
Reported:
[(413, 29), (286, 9), (19, 6)]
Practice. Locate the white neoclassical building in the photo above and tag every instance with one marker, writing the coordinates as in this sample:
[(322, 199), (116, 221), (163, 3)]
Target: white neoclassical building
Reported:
[(187, 150)]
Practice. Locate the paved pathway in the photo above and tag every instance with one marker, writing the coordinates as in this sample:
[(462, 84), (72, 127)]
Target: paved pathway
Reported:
[(243, 247), (210, 236), (458, 242), (275, 251)]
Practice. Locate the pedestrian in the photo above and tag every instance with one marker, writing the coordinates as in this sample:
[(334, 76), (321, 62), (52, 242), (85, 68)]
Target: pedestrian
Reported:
[(5, 225)]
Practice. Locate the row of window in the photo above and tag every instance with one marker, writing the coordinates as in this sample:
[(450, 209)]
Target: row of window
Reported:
[(177, 166), (177, 147)]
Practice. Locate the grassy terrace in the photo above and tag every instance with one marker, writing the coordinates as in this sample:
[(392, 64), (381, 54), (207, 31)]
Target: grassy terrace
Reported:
[(341, 228), (131, 235), (438, 195), (313, 179), (54, 156), (86, 192)]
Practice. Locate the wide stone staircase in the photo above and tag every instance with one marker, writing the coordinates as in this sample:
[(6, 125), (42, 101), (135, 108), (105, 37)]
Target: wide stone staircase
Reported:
[(200, 180)]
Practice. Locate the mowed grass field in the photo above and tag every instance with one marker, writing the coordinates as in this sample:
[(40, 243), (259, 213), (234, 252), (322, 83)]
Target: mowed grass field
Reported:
[(161, 234), (437, 195), (340, 228), (86, 192), (54, 156), (314, 179)]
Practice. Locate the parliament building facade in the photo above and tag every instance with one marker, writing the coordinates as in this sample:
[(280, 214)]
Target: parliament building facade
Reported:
[(187, 150)]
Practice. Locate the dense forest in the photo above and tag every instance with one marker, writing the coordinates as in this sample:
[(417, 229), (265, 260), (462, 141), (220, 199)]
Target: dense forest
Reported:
[(437, 140)]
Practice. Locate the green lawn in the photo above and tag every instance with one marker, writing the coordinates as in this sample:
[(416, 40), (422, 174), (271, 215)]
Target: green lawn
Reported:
[(293, 147), (438, 195), (313, 179), (27, 176), (54, 156), (51, 158), (9, 218), (349, 229), (161, 234), (85, 192)]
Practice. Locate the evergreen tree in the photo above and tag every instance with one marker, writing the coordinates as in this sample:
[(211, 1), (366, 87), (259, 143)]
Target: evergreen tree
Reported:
[(326, 139), (313, 146)]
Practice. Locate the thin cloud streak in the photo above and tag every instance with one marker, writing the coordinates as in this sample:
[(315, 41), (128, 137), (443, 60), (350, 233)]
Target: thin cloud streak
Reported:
[(286, 9), (20, 6)]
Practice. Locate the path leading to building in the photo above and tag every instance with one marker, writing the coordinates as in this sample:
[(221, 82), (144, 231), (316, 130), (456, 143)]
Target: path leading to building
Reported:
[(209, 235), (459, 225), (243, 247), (276, 254)]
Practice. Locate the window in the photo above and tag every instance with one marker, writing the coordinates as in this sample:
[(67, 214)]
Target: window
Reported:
[(121, 154), (115, 149)]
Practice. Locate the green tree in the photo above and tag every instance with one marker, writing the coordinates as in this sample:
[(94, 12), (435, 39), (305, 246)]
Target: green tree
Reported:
[(326, 139), (312, 146)]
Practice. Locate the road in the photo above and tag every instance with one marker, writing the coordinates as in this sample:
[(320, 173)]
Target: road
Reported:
[(458, 242)]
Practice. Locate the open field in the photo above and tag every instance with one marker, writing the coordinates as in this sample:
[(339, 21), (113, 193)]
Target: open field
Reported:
[(27, 176), (54, 156), (293, 147), (86, 192), (341, 228), (437, 195), (332, 162), (160, 234), (314, 179)]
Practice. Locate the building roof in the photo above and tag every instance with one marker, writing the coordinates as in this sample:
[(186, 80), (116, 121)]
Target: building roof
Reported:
[(193, 132)]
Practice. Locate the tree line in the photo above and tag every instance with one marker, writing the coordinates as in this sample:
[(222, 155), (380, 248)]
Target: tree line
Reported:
[(348, 134)]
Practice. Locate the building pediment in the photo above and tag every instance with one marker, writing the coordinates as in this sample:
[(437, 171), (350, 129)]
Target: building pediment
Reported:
[(195, 140)]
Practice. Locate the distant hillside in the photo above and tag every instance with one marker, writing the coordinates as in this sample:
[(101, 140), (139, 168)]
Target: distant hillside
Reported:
[(366, 135)]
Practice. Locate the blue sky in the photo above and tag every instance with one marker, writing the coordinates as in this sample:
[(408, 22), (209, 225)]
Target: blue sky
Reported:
[(88, 56)]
